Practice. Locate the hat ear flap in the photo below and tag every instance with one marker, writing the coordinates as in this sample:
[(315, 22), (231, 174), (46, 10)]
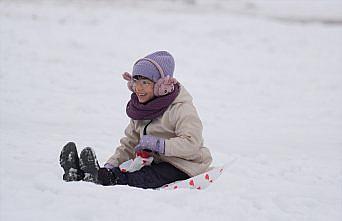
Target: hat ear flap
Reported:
[(128, 77), (164, 86)]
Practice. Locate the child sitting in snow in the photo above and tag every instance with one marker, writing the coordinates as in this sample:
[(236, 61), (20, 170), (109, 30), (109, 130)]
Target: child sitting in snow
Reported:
[(163, 122)]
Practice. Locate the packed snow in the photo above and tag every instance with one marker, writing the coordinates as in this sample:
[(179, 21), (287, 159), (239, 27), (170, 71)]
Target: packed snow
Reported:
[(265, 77)]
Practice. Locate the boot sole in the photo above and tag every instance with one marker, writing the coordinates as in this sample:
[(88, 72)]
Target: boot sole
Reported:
[(69, 161), (89, 165)]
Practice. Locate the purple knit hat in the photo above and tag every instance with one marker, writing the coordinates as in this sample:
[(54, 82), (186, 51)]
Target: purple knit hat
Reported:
[(155, 66)]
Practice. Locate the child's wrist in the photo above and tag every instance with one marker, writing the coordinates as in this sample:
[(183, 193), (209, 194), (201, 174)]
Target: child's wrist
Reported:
[(108, 166)]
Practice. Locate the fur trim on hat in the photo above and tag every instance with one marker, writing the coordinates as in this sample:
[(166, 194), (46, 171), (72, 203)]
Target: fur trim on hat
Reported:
[(164, 86)]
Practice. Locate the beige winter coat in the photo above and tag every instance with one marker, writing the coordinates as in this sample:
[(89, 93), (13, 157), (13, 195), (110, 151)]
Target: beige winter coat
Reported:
[(181, 128)]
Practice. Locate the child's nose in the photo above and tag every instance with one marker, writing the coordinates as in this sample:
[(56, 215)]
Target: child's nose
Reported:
[(138, 87)]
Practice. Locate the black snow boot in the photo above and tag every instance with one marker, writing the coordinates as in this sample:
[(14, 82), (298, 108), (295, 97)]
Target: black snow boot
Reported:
[(69, 161), (89, 165)]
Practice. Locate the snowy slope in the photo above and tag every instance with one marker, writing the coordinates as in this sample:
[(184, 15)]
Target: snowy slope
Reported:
[(268, 91)]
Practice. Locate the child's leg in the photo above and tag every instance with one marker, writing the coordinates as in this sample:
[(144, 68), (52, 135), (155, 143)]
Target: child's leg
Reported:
[(153, 176)]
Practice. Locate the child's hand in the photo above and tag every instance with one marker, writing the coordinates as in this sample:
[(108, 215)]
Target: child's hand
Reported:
[(152, 143)]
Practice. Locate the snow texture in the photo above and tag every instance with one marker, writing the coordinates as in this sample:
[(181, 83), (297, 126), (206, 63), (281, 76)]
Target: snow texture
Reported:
[(266, 78)]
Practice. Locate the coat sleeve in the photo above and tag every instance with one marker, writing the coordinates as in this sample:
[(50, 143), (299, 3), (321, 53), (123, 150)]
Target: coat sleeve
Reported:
[(125, 151), (188, 138)]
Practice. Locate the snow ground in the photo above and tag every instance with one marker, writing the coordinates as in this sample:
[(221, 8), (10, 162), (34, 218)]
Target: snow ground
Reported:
[(268, 91)]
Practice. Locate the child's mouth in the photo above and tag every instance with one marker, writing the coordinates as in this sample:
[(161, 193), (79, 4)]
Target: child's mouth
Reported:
[(141, 95)]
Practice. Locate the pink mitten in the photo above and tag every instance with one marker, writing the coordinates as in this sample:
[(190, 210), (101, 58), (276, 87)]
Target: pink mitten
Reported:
[(128, 77), (164, 86)]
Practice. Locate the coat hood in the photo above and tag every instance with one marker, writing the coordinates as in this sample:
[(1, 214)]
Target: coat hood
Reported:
[(183, 96)]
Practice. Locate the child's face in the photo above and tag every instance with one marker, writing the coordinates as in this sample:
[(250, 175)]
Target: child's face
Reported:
[(143, 88)]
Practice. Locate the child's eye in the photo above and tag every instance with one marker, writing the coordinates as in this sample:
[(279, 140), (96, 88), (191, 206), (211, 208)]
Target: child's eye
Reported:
[(145, 82)]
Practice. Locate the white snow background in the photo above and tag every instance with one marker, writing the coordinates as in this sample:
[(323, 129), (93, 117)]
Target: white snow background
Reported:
[(266, 77)]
